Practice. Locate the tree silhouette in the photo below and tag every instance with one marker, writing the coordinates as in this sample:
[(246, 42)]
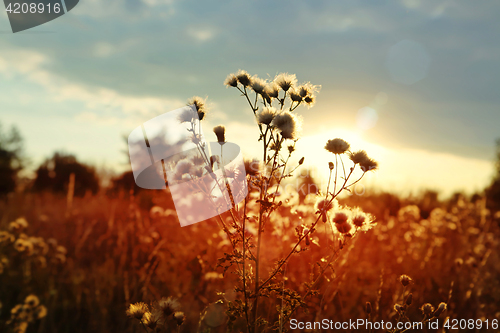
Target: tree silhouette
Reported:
[(10, 159), (53, 175)]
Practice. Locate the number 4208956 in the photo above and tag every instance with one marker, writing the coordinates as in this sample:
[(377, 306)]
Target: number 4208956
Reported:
[(33, 7)]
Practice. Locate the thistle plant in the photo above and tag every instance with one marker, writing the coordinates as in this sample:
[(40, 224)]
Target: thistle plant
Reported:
[(274, 106)]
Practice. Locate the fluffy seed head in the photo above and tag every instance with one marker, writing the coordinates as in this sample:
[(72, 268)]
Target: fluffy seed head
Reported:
[(340, 218), (307, 89), (168, 306), (200, 105), (231, 81), (285, 81), (244, 78), (266, 116), (258, 85), (343, 228), (288, 124), (295, 95), (358, 157), (220, 132), (368, 165), (337, 146), (137, 310), (359, 219), (310, 100), (323, 204), (272, 90)]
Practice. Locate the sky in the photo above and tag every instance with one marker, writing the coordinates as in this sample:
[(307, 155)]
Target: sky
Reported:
[(413, 82)]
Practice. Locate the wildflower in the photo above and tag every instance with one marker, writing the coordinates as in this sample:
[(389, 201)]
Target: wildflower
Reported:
[(258, 85), (427, 309), (200, 105), (358, 157), (405, 280), (307, 89), (32, 301), (343, 228), (220, 132), (440, 309), (168, 306), (337, 146), (197, 159), (272, 90), (179, 317), (41, 312), (368, 165), (288, 124), (14, 226), (340, 218), (285, 81), (20, 245), (6, 236), (310, 100), (149, 320), (291, 149), (295, 95), (137, 310), (22, 222), (231, 81), (244, 78), (266, 116)]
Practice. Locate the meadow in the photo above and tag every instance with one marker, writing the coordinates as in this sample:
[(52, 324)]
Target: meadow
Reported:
[(119, 261)]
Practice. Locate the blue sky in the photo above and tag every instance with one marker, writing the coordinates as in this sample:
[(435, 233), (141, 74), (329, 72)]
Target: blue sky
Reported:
[(429, 71)]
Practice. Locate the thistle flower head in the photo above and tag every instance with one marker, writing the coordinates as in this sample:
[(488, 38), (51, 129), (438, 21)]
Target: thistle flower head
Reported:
[(266, 116), (200, 106), (295, 95), (258, 85), (343, 228), (149, 320), (368, 165), (340, 218), (310, 100), (358, 156), (32, 301), (288, 124), (220, 132), (285, 81), (440, 309), (231, 80), (427, 309), (179, 317), (405, 280), (272, 90), (41, 312), (323, 204), (137, 310), (168, 305), (337, 146), (307, 89), (244, 78)]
